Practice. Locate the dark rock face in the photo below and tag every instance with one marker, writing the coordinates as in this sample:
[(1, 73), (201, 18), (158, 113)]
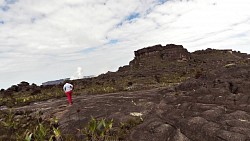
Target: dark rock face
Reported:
[(22, 87), (170, 52), (151, 56), (156, 53)]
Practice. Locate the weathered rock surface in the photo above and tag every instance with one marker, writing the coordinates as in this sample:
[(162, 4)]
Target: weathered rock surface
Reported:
[(203, 109)]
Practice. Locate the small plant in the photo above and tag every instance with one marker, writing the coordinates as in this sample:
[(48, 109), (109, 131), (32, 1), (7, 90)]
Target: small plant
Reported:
[(97, 129), (43, 131), (56, 131), (40, 132), (28, 136), (126, 126), (10, 124)]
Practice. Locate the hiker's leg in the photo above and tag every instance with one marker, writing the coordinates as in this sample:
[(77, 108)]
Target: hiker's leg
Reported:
[(69, 97)]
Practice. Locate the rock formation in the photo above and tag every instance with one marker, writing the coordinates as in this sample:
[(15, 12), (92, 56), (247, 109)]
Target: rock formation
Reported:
[(168, 52)]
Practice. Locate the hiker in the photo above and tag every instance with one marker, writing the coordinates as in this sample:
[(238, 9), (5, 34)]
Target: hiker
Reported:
[(68, 91)]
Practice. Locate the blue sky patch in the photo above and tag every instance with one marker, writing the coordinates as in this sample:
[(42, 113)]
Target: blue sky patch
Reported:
[(92, 49), (114, 41), (132, 16), (129, 18), (162, 1), (33, 19), (1, 21), (37, 18), (10, 1), (4, 8), (88, 50)]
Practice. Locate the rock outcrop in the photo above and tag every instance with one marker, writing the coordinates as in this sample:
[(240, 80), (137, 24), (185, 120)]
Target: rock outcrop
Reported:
[(168, 52), (22, 87), (150, 55), (158, 54)]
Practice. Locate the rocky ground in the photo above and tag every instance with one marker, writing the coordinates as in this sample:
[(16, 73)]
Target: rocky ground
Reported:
[(214, 107)]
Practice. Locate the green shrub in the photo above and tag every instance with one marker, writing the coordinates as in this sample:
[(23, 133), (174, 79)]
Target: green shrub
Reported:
[(97, 129), (10, 124)]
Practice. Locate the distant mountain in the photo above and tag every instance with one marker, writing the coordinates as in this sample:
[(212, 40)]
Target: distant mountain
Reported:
[(90, 76), (54, 82)]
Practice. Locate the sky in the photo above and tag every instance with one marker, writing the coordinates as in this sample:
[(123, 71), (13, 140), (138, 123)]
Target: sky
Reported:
[(43, 40)]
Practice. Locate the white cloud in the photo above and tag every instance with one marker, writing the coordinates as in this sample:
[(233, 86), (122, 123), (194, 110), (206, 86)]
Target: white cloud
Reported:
[(45, 40)]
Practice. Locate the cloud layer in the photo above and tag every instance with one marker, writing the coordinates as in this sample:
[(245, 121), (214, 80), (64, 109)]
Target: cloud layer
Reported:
[(47, 40)]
